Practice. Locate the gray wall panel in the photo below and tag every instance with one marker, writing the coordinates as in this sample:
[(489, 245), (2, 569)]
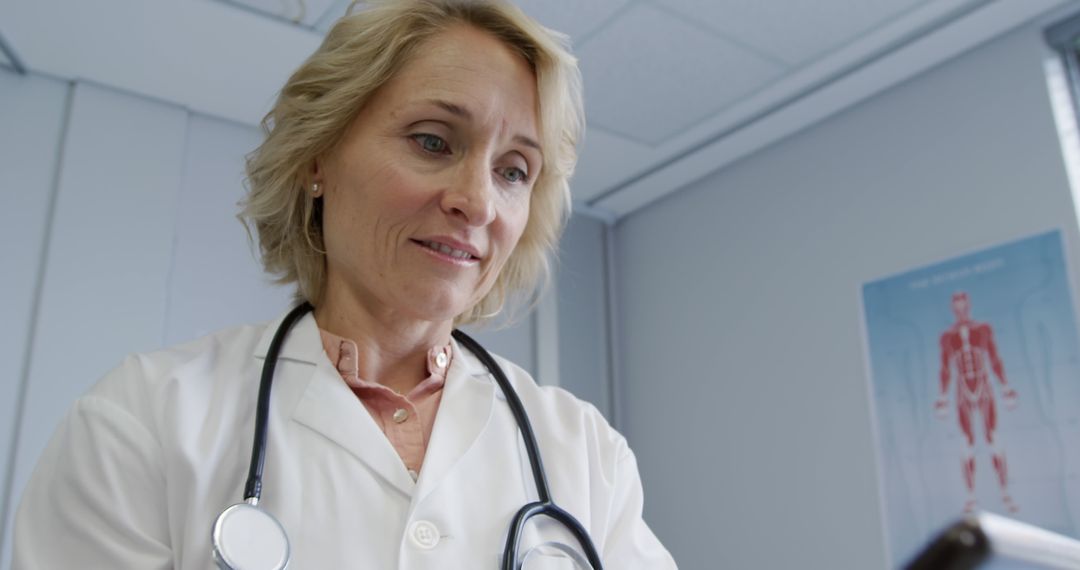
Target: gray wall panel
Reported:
[(582, 294), (107, 263), (745, 392), (515, 342), (31, 115), (216, 280)]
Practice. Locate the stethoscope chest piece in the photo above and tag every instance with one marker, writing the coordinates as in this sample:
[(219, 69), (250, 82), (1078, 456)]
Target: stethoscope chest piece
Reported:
[(246, 537), (541, 556)]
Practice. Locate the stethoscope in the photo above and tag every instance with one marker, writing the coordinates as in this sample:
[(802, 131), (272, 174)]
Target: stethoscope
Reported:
[(245, 537)]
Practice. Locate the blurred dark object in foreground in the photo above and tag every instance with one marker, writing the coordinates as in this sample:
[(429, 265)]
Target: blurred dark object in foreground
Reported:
[(974, 540)]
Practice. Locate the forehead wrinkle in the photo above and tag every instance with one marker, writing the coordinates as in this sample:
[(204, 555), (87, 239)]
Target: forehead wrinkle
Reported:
[(443, 79), (529, 142)]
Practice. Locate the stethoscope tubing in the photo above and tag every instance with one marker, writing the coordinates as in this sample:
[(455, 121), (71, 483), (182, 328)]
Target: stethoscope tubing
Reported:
[(517, 408), (550, 509), (253, 487), (544, 506)]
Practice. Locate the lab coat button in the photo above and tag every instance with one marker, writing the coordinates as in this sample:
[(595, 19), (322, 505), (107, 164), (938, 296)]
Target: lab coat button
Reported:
[(400, 415), (424, 535)]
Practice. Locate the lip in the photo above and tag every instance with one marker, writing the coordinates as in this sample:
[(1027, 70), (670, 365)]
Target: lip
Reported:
[(452, 243)]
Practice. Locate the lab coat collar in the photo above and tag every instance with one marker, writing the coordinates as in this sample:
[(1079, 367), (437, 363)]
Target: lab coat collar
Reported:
[(303, 342), (329, 407)]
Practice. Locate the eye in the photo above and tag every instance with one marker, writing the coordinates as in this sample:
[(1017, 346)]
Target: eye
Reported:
[(431, 143), (514, 175)]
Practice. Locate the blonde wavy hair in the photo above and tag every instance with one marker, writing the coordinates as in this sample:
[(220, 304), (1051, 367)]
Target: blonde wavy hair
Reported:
[(321, 99)]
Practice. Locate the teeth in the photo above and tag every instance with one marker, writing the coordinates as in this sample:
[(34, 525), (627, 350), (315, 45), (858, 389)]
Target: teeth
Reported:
[(443, 248)]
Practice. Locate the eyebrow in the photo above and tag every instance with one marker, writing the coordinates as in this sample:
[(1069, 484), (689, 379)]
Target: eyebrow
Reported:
[(462, 112)]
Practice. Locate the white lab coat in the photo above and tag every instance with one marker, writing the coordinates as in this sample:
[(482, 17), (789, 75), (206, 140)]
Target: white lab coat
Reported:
[(142, 465)]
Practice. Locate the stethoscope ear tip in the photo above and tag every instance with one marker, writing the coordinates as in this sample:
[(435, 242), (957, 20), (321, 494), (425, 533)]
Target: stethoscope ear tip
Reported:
[(245, 537)]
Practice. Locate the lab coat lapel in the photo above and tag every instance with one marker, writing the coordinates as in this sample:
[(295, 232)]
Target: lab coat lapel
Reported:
[(330, 408), (464, 412)]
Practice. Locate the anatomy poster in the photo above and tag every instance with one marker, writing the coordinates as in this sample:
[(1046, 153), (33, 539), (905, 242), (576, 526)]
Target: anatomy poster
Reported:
[(975, 380)]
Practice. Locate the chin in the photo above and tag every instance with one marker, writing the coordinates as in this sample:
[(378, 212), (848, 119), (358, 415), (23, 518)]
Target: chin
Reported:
[(436, 301), (439, 311)]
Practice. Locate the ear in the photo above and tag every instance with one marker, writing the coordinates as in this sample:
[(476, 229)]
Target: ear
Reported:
[(317, 170), (316, 179)]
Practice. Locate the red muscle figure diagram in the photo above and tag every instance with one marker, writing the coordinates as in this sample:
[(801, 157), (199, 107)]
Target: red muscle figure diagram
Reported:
[(968, 349)]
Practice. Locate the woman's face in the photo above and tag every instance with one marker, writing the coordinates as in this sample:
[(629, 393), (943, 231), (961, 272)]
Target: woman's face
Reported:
[(428, 192)]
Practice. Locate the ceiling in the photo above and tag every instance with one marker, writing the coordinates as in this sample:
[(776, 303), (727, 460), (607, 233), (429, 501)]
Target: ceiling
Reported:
[(5, 57), (674, 89)]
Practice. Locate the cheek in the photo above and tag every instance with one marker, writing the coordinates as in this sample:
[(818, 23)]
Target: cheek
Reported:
[(370, 208), (342, 221), (397, 196), (509, 232), (350, 236), (516, 226)]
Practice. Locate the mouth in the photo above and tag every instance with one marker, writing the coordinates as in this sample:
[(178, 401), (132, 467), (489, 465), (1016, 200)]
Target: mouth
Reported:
[(446, 250)]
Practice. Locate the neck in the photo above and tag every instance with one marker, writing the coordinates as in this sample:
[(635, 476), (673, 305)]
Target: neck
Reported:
[(392, 348)]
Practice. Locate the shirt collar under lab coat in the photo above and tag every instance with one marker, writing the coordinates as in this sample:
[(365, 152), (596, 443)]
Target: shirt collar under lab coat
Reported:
[(328, 406)]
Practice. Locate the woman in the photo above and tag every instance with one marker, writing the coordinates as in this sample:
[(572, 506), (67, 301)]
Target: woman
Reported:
[(413, 176)]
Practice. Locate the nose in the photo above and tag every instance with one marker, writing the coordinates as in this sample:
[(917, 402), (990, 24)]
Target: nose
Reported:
[(471, 197)]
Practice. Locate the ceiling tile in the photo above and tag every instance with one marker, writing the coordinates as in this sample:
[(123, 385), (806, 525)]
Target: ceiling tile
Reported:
[(602, 154), (305, 12), (795, 31), (575, 18), (333, 13), (572, 17), (649, 75)]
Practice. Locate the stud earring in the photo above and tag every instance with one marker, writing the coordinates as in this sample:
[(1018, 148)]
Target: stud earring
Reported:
[(315, 189)]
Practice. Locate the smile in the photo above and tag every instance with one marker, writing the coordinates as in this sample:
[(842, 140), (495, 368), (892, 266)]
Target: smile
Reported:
[(447, 250)]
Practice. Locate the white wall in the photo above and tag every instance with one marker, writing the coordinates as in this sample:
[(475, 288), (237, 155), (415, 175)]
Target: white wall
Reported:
[(104, 271), (515, 342), (214, 278), (745, 395), (581, 289), (31, 112)]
